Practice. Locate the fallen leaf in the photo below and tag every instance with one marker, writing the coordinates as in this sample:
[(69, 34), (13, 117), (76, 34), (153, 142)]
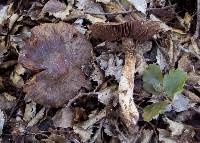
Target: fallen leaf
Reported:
[(111, 64), (161, 60), (114, 7), (85, 135), (4, 14), (146, 136), (165, 13), (37, 118), (192, 96), (187, 20), (141, 64), (12, 19), (103, 1), (185, 64), (93, 118), (164, 136), (81, 4), (180, 103), (16, 77), (2, 120), (3, 48), (57, 51), (57, 9), (93, 7), (78, 24), (30, 111), (175, 127), (63, 118), (97, 75), (140, 5), (105, 95), (5, 104), (9, 97), (55, 138)]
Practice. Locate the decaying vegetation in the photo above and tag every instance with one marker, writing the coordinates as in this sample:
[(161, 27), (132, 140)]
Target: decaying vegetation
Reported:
[(99, 71)]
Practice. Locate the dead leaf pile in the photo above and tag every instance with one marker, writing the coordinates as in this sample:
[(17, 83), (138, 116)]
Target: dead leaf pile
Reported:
[(99, 71)]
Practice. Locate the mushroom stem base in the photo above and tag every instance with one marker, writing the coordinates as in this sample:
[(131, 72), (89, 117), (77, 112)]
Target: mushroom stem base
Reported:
[(128, 108)]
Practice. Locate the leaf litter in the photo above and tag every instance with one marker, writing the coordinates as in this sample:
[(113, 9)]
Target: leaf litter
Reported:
[(99, 71)]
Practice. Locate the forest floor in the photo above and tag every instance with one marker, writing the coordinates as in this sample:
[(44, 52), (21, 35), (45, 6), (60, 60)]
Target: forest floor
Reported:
[(109, 71)]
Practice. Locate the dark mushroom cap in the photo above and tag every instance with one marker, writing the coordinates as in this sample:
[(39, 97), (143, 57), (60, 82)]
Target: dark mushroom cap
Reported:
[(58, 51), (138, 30)]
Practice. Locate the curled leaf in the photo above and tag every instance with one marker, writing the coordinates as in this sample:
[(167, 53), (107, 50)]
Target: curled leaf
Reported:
[(57, 51), (137, 30), (174, 81), (57, 9)]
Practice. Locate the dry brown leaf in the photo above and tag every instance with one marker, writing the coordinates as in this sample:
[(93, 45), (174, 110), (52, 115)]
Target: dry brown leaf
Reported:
[(2, 120), (164, 13), (3, 48), (114, 7), (16, 77), (140, 31), (57, 9), (103, 1), (4, 14), (37, 118), (111, 64), (57, 51), (6, 104), (30, 111), (63, 118)]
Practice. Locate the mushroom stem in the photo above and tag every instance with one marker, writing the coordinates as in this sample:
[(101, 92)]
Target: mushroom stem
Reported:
[(128, 108)]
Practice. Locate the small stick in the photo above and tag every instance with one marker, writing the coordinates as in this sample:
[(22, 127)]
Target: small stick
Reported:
[(123, 12), (196, 35), (112, 13)]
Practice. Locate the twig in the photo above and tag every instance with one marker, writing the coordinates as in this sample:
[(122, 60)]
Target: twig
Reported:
[(196, 35), (36, 119), (92, 120), (112, 13), (123, 12)]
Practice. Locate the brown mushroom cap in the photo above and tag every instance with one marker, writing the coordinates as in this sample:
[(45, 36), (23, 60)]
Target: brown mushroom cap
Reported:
[(138, 30), (59, 51)]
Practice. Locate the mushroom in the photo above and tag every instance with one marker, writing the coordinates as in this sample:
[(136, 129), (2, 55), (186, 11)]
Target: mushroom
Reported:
[(56, 51), (130, 33)]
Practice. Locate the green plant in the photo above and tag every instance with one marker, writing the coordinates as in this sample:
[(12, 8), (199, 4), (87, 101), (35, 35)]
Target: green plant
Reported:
[(154, 82)]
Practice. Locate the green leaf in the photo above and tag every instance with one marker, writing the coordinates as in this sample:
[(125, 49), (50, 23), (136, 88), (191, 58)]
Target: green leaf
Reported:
[(154, 109), (152, 79), (174, 81)]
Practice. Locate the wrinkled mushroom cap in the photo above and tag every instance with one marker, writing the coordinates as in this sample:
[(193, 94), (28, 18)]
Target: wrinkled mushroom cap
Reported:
[(58, 51), (138, 30)]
